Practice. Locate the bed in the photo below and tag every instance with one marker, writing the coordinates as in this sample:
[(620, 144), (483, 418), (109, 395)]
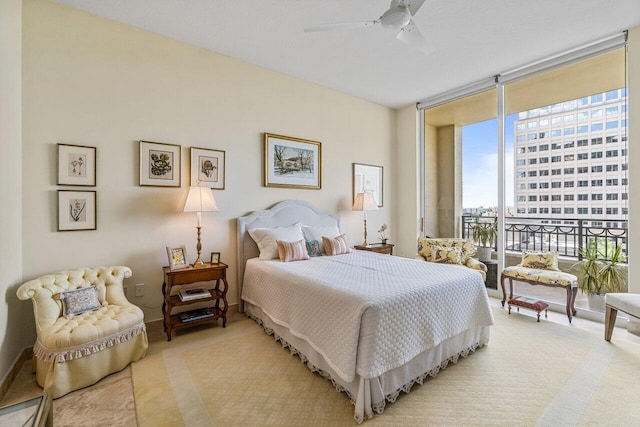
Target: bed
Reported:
[(373, 324)]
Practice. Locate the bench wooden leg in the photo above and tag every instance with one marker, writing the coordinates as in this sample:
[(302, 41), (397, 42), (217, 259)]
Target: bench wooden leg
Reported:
[(571, 299), (609, 322), (504, 293)]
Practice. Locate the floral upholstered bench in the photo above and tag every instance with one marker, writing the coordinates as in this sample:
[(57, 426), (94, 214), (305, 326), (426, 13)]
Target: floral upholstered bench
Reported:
[(451, 251), (541, 268)]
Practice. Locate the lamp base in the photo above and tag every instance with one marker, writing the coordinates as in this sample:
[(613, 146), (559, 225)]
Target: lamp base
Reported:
[(198, 262)]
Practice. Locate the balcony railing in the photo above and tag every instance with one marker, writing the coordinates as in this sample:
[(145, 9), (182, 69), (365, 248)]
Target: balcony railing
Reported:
[(568, 238)]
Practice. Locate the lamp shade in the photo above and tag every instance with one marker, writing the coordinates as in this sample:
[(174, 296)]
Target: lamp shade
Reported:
[(200, 199), (365, 202)]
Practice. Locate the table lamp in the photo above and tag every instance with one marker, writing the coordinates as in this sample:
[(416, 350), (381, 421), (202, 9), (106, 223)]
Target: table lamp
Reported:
[(365, 202), (200, 199)]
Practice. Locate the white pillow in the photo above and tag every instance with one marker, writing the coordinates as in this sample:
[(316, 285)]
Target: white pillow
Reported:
[(266, 238), (317, 233)]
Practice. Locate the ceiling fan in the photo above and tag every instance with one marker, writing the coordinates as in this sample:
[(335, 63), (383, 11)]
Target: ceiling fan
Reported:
[(397, 18)]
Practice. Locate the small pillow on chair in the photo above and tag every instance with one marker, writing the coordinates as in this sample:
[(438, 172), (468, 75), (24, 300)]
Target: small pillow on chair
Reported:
[(292, 251), (540, 260), (446, 255), (79, 301), (337, 246)]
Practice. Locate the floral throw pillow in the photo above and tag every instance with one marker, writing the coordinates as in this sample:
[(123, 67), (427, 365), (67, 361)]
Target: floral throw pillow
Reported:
[(79, 301), (540, 260), (446, 255), (314, 248)]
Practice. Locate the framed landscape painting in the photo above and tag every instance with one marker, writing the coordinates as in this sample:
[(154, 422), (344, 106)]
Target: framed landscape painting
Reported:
[(368, 178), (76, 165), (207, 168), (159, 164), (76, 210), (292, 162)]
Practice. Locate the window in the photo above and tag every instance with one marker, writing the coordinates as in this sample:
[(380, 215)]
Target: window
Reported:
[(583, 156), (596, 183), (625, 211), (522, 186), (625, 196), (596, 211), (595, 127), (533, 210), (583, 211), (596, 196), (569, 157), (556, 133), (611, 110), (522, 174), (520, 210), (533, 198), (611, 139), (556, 210), (556, 146), (556, 184), (624, 166), (544, 172), (583, 142), (521, 150), (520, 162), (583, 197), (612, 211), (544, 147), (556, 171), (569, 131), (612, 124), (596, 98), (533, 186), (583, 129), (611, 95), (555, 159), (544, 210), (568, 197), (568, 171), (612, 196), (596, 168), (583, 101), (584, 183), (625, 181), (582, 116), (596, 141), (596, 113), (532, 125), (532, 149), (544, 185), (612, 181), (623, 152), (612, 153), (522, 198), (596, 154), (544, 160), (556, 120), (568, 184), (568, 211), (612, 168), (555, 198), (542, 135), (533, 161), (544, 198), (583, 169), (521, 138), (533, 173), (596, 223), (532, 136)]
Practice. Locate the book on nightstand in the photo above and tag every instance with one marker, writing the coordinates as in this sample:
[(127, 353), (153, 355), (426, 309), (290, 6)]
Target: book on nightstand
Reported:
[(190, 316), (192, 294)]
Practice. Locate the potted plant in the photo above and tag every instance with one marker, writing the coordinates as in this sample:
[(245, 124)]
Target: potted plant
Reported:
[(485, 234), (598, 275)]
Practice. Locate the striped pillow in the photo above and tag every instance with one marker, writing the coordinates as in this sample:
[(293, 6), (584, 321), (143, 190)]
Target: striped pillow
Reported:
[(335, 246), (292, 251)]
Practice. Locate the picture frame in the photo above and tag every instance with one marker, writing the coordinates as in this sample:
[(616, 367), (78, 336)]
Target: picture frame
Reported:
[(215, 257), (77, 165), (77, 210), (368, 178), (207, 168), (292, 162), (177, 257), (159, 164)]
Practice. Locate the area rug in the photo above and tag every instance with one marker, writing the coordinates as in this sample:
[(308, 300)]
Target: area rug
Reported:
[(530, 374)]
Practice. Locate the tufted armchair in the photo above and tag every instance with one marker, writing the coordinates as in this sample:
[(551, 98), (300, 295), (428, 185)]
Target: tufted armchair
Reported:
[(451, 251), (73, 351)]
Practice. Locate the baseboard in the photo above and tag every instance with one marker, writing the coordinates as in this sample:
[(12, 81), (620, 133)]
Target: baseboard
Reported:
[(26, 355)]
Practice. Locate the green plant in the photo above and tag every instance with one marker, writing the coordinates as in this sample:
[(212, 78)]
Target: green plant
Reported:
[(485, 233), (600, 276)]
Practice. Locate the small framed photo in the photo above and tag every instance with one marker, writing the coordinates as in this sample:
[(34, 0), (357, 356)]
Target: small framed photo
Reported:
[(215, 257), (292, 162), (177, 257), (76, 165), (159, 164), (368, 178), (76, 210), (207, 168)]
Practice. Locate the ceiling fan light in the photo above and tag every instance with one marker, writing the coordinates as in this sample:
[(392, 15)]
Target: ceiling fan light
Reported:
[(396, 18)]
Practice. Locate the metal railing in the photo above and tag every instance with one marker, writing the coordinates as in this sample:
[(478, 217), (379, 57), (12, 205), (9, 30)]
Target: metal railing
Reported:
[(569, 238)]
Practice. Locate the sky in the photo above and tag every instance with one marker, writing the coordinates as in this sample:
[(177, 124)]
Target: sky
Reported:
[(480, 163)]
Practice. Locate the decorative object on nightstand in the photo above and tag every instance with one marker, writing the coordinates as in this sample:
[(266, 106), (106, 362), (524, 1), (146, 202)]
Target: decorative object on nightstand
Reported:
[(200, 199), (217, 295), (381, 248), (215, 257), (382, 233), (177, 257), (365, 202)]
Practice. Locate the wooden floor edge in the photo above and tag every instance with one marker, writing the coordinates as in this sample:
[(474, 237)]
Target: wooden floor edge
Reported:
[(27, 354)]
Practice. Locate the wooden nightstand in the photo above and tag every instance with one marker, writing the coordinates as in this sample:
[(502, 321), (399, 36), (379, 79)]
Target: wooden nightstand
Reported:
[(185, 276), (380, 248)]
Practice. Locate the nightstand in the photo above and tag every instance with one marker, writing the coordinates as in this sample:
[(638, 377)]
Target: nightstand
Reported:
[(386, 248), (185, 276)]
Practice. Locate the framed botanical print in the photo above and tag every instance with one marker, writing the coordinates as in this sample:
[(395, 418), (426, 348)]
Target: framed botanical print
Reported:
[(177, 257), (76, 210), (368, 178), (76, 165), (207, 168), (159, 164), (292, 162)]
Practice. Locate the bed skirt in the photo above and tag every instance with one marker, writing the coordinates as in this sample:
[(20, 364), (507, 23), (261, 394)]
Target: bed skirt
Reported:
[(369, 395)]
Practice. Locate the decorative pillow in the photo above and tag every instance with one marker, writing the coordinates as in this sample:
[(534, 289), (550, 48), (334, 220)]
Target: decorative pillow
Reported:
[(467, 246), (266, 239), (314, 248), (79, 301), (540, 260), (446, 255), (292, 251), (337, 246), (315, 233)]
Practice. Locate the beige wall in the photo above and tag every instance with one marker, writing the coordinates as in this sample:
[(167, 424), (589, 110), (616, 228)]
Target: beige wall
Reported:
[(14, 316), (92, 81)]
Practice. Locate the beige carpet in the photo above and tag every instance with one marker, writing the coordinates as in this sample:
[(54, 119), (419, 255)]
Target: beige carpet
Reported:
[(530, 374)]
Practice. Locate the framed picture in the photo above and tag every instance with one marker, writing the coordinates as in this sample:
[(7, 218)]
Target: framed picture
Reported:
[(207, 168), (76, 165), (177, 257), (292, 162), (368, 178), (159, 164), (76, 210), (215, 257)]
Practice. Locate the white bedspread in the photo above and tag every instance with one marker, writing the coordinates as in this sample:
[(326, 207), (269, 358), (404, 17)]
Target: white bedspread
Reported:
[(368, 313)]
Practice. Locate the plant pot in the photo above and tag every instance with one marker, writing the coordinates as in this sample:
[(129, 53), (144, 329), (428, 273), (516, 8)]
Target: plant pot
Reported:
[(596, 302), (484, 253), (384, 241)]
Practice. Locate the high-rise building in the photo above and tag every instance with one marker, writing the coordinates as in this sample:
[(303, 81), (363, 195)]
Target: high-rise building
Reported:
[(571, 161)]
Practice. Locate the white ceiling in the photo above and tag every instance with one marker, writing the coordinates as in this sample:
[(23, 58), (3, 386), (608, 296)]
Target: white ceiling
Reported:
[(473, 39)]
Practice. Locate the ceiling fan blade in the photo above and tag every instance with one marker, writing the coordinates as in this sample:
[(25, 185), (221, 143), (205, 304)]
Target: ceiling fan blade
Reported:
[(414, 5), (411, 35), (339, 26)]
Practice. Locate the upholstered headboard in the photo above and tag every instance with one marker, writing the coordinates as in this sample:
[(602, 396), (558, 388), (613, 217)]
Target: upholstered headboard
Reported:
[(283, 214)]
